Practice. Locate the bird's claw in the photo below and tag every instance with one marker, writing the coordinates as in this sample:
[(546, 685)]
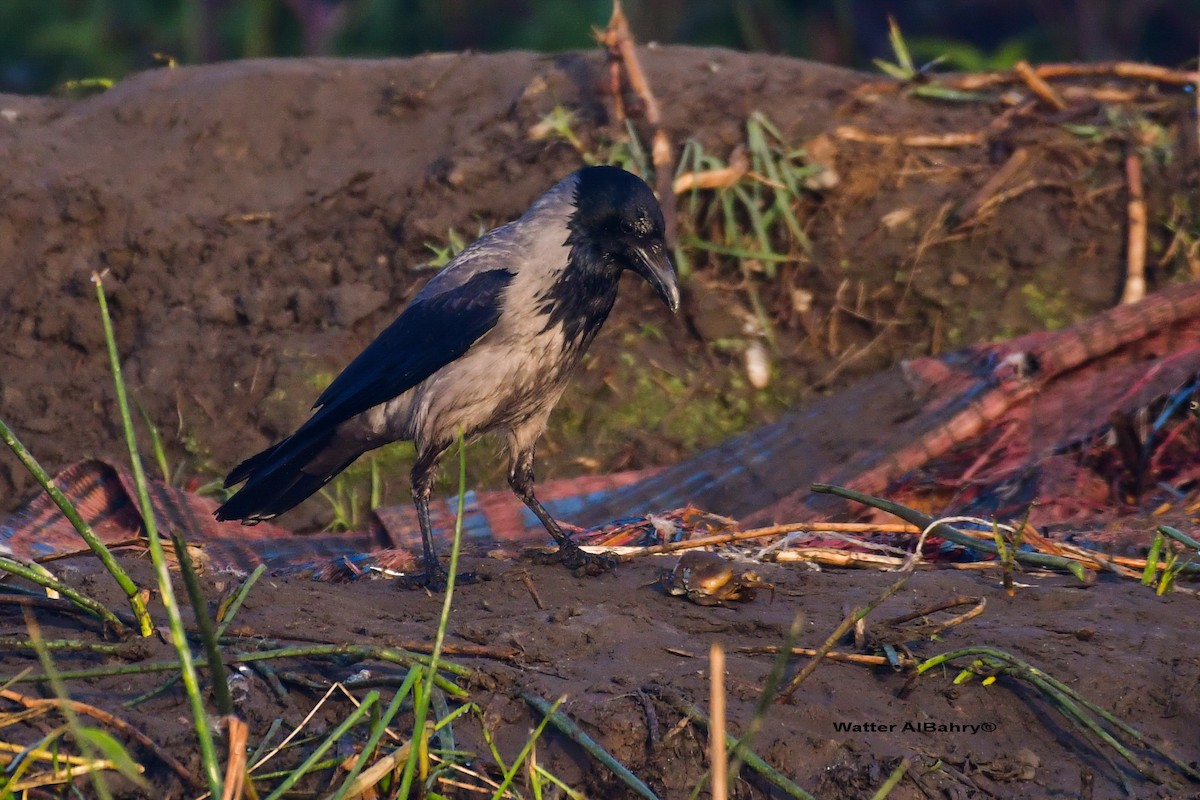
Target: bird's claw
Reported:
[(434, 578), (574, 558)]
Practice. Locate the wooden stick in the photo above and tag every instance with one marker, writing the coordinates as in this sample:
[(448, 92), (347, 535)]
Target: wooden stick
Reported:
[(533, 592), (1101, 94), (832, 655), (235, 767), (1007, 171), (832, 557), (718, 758), (108, 719), (618, 41), (773, 530), (853, 134), (1038, 85), (1123, 69), (929, 630), (739, 165), (1135, 271), (1017, 191), (945, 605), (827, 645)]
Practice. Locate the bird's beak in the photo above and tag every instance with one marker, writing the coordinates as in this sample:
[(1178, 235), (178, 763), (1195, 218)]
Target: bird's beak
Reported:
[(653, 264)]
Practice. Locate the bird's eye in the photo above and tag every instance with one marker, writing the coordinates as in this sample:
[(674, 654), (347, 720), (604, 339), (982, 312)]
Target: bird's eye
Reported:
[(627, 226)]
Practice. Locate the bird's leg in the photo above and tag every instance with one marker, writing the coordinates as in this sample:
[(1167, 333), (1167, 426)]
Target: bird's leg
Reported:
[(424, 472), (520, 478)]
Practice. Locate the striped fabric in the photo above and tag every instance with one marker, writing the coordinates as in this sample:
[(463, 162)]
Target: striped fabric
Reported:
[(104, 495), (993, 411)]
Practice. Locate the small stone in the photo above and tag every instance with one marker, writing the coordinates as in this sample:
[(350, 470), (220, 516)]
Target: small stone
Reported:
[(219, 308)]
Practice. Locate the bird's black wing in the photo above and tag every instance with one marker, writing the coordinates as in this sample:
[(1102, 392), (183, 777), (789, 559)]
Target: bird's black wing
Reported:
[(427, 336), (438, 327)]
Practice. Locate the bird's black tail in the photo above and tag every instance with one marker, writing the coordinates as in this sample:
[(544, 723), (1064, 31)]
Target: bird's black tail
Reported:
[(275, 478)]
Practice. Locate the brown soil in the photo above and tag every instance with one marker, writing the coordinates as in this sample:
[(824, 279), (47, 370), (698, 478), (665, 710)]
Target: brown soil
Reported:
[(612, 644), (262, 220)]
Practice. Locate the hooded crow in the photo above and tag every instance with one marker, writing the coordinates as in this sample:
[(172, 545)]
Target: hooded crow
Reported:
[(486, 347)]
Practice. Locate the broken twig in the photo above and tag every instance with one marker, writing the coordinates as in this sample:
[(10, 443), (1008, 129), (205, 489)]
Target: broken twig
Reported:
[(1038, 85), (1135, 270)]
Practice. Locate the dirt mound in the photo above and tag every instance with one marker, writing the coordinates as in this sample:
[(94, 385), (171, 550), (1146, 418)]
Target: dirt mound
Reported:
[(263, 220)]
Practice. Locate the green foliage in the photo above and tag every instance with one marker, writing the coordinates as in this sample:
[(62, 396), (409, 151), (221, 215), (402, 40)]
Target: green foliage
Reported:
[(442, 254), (961, 56), (208, 756), (1053, 311), (346, 501), (623, 151), (112, 750), (755, 219), (1163, 578), (1154, 143), (381, 27), (903, 68), (44, 43), (50, 41)]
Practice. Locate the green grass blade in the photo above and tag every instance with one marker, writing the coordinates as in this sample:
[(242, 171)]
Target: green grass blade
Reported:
[(891, 69), (442, 728), (204, 625), (1077, 717), (156, 444), (548, 712), (773, 162), (191, 683), (893, 781), (767, 696), (753, 760), (239, 597), (900, 47), (1066, 699), (1179, 536), (1123, 726), (145, 624), (934, 92), (93, 607), (388, 654), (272, 732), (1151, 569), (68, 711), (576, 734), (314, 759), (951, 533), (562, 787), (22, 761), (114, 751), (421, 712), (488, 739), (377, 731)]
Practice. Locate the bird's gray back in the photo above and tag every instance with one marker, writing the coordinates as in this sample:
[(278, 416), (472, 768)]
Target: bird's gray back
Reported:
[(529, 242), (512, 375)]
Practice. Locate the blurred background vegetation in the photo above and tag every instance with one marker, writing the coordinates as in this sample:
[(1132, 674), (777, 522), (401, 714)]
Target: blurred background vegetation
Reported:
[(46, 42)]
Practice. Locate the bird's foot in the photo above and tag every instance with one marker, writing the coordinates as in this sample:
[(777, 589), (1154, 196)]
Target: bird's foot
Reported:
[(582, 563), (434, 578)]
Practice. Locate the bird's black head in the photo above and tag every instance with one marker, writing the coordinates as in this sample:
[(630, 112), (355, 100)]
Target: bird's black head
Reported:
[(618, 214)]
